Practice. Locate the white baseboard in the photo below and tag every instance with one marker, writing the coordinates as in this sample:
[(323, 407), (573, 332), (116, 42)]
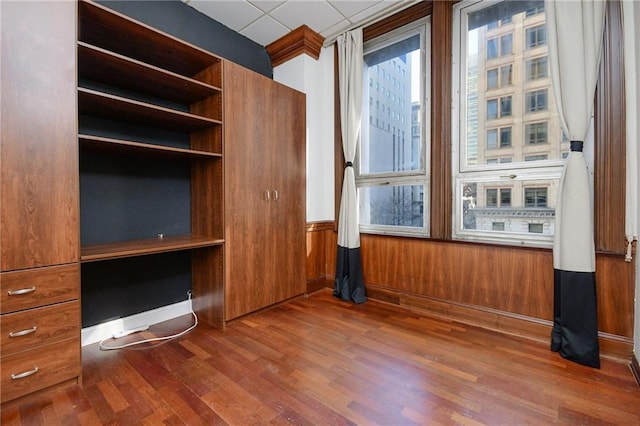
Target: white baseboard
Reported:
[(105, 330)]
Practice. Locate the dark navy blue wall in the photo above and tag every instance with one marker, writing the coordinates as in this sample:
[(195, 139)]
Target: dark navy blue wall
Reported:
[(180, 20)]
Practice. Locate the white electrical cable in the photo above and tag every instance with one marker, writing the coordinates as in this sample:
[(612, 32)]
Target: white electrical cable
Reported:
[(154, 339)]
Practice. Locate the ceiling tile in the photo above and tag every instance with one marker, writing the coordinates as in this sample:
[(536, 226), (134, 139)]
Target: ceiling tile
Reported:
[(265, 30), (234, 14), (266, 5), (349, 8), (318, 15), (378, 8)]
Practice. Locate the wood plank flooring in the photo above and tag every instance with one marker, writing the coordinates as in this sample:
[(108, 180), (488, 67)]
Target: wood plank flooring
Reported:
[(318, 360)]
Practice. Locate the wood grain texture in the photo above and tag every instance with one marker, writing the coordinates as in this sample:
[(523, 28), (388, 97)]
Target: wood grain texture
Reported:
[(49, 324), (100, 26), (610, 167), (56, 363), (264, 191), (39, 210), (53, 284), (510, 279), (318, 360), (441, 64), (302, 40)]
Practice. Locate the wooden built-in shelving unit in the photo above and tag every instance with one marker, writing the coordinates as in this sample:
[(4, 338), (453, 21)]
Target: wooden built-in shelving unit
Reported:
[(132, 74)]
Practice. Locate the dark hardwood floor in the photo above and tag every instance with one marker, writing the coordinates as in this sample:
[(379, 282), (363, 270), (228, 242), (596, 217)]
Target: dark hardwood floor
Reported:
[(318, 360)]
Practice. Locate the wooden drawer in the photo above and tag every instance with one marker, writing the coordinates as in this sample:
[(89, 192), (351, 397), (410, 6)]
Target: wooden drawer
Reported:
[(37, 327), (49, 365), (38, 287)]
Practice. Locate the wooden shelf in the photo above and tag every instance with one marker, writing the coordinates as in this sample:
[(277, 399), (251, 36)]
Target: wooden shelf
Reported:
[(103, 66), (93, 102), (115, 32), (98, 252), (143, 148)]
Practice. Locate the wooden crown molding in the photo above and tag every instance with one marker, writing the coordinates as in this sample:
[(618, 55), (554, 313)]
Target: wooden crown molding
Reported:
[(301, 40)]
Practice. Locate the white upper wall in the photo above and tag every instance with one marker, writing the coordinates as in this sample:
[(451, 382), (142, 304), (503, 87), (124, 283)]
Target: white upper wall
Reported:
[(315, 79)]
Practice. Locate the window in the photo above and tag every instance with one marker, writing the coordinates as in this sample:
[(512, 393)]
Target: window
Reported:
[(492, 79), (492, 48), (536, 100), (392, 162), (536, 228), (505, 106), (497, 226), (504, 140), (506, 45), (536, 68), (535, 197), (500, 107), (498, 197), (505, 75), (505, 137), (536, 36), (535, 133), (535, 157)]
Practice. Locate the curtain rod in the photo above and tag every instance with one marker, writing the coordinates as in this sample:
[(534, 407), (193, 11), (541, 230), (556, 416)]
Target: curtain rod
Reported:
[(399, 6)]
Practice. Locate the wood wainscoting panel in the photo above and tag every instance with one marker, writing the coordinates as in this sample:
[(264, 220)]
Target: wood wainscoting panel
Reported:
[(509, 279), (321, 249)]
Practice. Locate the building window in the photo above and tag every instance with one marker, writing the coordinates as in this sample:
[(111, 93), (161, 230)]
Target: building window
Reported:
[(536, 68), (505, 106), (536, 228), (391, 167), (505, 75), (535, 197), (492, 48), (536, 36), (499, 138), (536, 100), (498, 197), (536, 157), (492, 79), (506, 45), (500, 107), (505, 137), (520, 187), (535, 133)]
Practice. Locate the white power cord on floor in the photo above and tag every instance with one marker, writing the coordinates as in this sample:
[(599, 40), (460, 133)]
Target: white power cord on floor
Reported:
[(154, 339)]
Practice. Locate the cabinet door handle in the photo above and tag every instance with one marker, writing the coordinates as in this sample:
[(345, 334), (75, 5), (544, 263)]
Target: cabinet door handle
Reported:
[(21, 291), (267, 195), (23, 332), (25, 374), (276, 195)]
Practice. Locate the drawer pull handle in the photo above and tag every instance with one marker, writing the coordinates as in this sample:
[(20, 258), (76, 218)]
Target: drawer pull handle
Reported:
[(25, 374), (23, 332), (21, 291)]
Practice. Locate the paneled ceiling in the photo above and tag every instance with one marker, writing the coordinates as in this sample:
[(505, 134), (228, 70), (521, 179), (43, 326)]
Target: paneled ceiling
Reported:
[(265, 21)]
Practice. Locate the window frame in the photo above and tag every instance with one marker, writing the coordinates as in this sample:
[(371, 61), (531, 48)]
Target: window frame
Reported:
[(420, 176), (529, 174)]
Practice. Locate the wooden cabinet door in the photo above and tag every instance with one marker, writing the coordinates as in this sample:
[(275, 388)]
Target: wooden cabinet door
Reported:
[(246, 174), (38, 141), (264, 192), (289, 210)]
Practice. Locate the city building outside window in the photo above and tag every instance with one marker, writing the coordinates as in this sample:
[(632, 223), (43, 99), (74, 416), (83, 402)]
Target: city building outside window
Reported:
[(508, 198), (392, 162)]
